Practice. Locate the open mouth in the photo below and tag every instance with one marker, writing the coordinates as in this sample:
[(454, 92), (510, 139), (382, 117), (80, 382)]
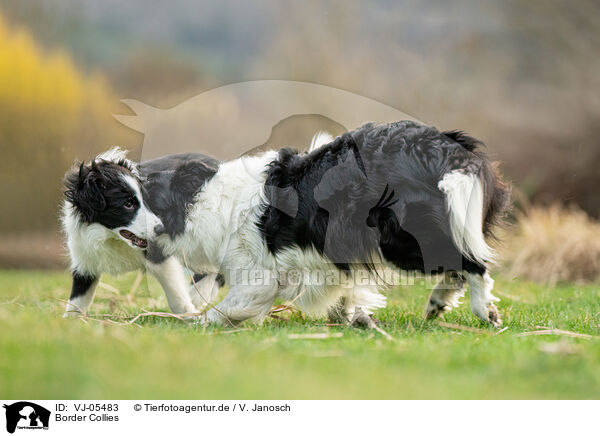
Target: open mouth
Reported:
[(138, 242)]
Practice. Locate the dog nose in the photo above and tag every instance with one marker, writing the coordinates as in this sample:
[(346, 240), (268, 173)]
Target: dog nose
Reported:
[(159, 229)]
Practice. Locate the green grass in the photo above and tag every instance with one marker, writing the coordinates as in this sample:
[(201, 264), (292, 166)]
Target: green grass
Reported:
[(43, 356)]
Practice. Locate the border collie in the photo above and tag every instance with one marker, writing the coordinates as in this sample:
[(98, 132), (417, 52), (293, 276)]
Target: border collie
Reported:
[(108, 222), (400, 195)]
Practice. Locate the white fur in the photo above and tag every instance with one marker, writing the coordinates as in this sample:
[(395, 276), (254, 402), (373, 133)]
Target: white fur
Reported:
[(446, 295), (220, 224), (309, 290), (482, 299), (314, 294), (94, 249), (320, 139), (221, 235), (204, 292), (171, 276), (367, 297), (464, 199), (116, 154), (80, 304)]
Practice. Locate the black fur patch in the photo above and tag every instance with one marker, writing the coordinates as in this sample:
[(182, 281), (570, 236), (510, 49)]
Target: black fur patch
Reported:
[(372, 189), (81, 284), (173, 161), (169, 193), (154, 253), (220, 279)]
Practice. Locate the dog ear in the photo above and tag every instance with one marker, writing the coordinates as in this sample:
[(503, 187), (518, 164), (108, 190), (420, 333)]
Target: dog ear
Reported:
[(84, 190), (189, 178), (185, 182), (157, 194)]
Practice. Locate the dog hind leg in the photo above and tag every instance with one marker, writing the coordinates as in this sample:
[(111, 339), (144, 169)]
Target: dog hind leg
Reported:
[(204, 290), (482, 300), (244, 301), (446, 295), (367, 297)]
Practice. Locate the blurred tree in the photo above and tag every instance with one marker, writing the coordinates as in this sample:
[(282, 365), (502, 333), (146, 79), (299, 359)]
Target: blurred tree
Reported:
[(49, 113)]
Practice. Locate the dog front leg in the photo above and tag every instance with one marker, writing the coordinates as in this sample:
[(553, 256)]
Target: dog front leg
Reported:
[(171, 275), (204, 289), (82, 294)]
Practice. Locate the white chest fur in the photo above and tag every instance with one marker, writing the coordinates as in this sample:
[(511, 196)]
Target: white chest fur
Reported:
[(95, 249)]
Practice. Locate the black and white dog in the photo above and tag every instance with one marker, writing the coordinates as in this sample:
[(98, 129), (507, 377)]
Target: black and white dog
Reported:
[(402, 194), (108, 224)]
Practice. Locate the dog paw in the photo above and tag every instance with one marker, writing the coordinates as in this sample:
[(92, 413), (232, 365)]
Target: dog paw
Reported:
[(435, 309), (363, 320), (193, 319), (494, 316)]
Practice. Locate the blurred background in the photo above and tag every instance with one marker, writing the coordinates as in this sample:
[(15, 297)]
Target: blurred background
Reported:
[(523, 76)]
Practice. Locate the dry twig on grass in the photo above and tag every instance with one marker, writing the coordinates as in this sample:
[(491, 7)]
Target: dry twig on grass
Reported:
[(464, 328), (227, 332), (325, 335), (557, 332), (135, 285), (280, 308), (109, 288)]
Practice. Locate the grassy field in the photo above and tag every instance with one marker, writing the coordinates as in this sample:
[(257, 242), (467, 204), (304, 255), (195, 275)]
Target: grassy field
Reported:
[(43, 356)]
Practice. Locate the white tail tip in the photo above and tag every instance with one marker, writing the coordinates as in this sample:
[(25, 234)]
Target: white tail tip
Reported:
[(464, 199)]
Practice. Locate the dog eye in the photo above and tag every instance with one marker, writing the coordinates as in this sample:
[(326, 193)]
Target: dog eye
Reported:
[(129, 205)]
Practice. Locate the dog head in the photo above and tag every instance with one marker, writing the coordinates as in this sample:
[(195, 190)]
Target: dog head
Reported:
[(108, 192)]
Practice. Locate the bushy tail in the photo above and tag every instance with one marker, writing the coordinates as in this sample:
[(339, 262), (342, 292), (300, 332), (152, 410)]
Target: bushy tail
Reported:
[(464, 198), (476, 203)]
